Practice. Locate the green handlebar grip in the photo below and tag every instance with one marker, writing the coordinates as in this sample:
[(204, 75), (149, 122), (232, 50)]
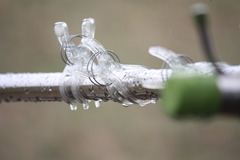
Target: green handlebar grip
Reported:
[(191, 96)]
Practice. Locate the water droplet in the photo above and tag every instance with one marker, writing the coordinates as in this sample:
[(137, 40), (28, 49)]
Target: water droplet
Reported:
[(125, 104), (142, 104), (154, 101), (120, 99), (97, 104), (27, 91), (73, 107), (50, 89), (85, 106), (43, 89), (115, 93)]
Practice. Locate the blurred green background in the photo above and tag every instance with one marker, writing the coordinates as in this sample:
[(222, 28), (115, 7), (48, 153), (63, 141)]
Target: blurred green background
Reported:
[(49, 131)]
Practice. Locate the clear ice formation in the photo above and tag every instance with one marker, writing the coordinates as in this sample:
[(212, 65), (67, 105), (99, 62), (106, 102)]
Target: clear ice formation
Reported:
[(89, 61), (182, 65), (82, 67), (77, 55)]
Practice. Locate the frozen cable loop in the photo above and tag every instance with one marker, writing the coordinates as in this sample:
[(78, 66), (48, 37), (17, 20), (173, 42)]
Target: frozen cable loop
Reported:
[(95, 73), (106, 72)]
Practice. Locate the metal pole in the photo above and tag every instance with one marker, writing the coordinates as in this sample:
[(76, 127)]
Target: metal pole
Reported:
[(39, 87), (30, 87)]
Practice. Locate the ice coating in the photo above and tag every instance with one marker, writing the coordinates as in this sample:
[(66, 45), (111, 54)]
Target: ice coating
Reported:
[(75, 74), (106, 72), (61, 31), (94, 73), (88, 27), (90, 62), (180, 65), (22, 87), (166, 55)]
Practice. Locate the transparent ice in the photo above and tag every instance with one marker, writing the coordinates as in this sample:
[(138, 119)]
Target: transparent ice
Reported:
[(105, 70), (73, 74), (73, 106), (179, 66), (166, 55), (97, 104)]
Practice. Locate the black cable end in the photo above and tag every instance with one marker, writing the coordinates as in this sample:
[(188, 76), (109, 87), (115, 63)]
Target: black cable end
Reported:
[(200, 11)]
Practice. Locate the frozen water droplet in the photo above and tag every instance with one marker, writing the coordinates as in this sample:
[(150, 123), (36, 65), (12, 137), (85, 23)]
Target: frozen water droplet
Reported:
[(153, 84), (125, 104), (120, 99), (97, 104), (73, 107), (154, 101), (142, 104), (85, 106), (88, 27), (43, 89), (27, 91), (166, 55), (115, 93)]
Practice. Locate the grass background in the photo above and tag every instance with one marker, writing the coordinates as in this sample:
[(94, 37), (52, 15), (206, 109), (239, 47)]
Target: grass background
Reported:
[(51, 131)]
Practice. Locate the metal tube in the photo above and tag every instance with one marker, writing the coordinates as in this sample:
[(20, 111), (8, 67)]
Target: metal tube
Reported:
[(30, 87), (39, 87)]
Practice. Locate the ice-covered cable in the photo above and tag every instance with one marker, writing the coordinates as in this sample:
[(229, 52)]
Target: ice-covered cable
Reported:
[(95, 73), (38, 87), (81, 68)]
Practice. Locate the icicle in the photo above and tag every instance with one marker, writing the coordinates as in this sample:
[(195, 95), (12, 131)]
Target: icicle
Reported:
[(97, 103), (73, 106)]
